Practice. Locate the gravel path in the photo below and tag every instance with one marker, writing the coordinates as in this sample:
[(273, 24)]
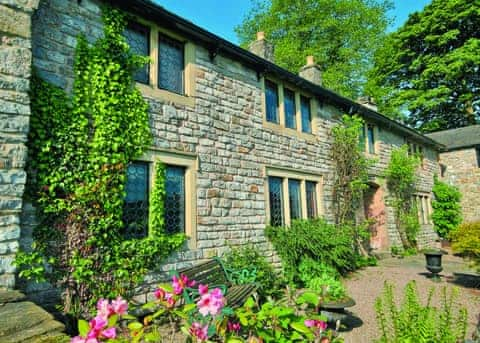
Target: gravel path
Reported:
[(366, 285)]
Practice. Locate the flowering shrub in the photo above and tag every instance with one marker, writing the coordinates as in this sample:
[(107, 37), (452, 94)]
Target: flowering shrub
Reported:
[(201, 314)]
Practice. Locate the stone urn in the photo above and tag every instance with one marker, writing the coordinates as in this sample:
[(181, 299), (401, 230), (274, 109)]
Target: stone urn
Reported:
[(433, 259)]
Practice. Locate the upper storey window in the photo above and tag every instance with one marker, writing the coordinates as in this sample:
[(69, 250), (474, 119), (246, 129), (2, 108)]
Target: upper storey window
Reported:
[(306, 115), (171, 64), (271, 102), (371, 139), (290, 109), (138, 37)]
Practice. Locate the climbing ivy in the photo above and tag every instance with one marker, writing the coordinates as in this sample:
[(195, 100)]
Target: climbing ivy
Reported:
[(401, 178), (79, 148)]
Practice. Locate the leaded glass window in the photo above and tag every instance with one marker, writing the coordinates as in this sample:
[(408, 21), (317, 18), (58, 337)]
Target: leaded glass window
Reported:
[(371, 139), (362, 138), (306, 114), (175, 199), (135, 211), (171, 64), (138, 37), (271, 101), (276, 201), (311, 190), (294, 199), (290, 110)]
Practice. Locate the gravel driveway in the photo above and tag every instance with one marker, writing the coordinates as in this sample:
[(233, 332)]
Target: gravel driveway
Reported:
[(367, 284)]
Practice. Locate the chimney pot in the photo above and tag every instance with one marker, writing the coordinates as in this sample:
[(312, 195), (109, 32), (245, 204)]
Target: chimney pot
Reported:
[(310, 60), (368, 102), (260, 35)]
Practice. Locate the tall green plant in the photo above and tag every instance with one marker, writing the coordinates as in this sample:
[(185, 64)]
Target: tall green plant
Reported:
[(447, 213), (351, 168), (79, 150), (414, 322), (401, 179)]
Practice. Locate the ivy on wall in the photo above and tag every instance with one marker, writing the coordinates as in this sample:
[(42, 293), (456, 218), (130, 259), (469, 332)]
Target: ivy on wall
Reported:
[(447, 212), (79, 150), (401, 178)]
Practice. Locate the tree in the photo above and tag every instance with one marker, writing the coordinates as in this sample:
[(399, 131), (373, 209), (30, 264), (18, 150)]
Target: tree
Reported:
[(342, 35), (427, 72)]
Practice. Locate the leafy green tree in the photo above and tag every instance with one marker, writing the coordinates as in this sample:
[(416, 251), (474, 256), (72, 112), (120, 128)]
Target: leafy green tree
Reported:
[(427, 72), (342, 35), (447, 213)]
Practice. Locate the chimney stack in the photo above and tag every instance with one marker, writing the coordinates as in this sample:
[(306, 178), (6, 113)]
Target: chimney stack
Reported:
[(368, 102), (261, 47), (311, 71)]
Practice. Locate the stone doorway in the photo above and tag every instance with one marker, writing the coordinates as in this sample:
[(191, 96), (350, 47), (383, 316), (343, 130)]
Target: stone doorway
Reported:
[(374, 210)]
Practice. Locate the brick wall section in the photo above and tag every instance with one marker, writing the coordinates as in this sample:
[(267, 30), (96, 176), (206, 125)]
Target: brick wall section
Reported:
[(15, 66), (224, 129), (462, 171)]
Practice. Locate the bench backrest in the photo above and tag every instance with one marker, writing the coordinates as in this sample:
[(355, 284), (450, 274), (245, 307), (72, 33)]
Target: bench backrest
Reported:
[(209, 273)]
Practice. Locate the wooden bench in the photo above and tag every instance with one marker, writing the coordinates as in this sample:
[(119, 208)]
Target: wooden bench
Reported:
[(213, 274)]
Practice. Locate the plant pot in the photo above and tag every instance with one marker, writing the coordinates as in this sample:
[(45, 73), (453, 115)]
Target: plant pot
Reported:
[(433, 261), (335, 310)]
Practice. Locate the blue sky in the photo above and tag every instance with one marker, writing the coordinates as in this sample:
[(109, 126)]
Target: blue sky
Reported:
[(221, 16)]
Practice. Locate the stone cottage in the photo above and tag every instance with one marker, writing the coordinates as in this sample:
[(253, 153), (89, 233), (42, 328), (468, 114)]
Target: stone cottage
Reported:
[(246, 142), (460, 166)]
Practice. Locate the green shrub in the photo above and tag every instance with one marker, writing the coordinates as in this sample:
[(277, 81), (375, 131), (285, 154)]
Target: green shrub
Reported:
[(245, 264), (316, 239), (322, 278), (447, 213), (466, 241), (414, 322)]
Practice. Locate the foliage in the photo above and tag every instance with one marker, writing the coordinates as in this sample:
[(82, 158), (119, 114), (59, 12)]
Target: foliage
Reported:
[(246, 265), (79, 149), (414, 322), (401, 178), (351, 168), (316, 239), (427, 71), (341, 34), (447, 213), (204, 318), (321, 278), (466, 241)]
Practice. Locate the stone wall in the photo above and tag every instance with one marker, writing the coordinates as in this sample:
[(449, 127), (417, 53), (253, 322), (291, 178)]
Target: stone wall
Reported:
[(224, 129), (461, 169), (15, 69)]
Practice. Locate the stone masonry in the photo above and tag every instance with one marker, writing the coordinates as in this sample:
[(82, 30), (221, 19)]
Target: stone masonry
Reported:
[(463, 171), (15, 70), (224, 130)]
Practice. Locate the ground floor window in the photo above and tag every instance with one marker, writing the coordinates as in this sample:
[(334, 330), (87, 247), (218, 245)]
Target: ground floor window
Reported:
[(180, 189), (424, 208), (291, 195)]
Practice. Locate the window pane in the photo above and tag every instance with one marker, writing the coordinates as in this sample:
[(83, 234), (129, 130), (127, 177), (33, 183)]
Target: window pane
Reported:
[(371, 139), (135, 211), (171, 64), (290, 111), (138, 37), (478, 157), (306, 115), (175, 199), (294, 198), (311, 190), (271, 101), (361, 138), (276, 201)]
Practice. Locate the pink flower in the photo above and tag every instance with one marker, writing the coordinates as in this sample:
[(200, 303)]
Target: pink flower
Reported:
[(78, 339), (120, 306), (104, 308), (97, 324), (211, 303), (109, 333), (233, 327), (159, 293), (202, 289), (198, 331), (318, 325), (180, 283)]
